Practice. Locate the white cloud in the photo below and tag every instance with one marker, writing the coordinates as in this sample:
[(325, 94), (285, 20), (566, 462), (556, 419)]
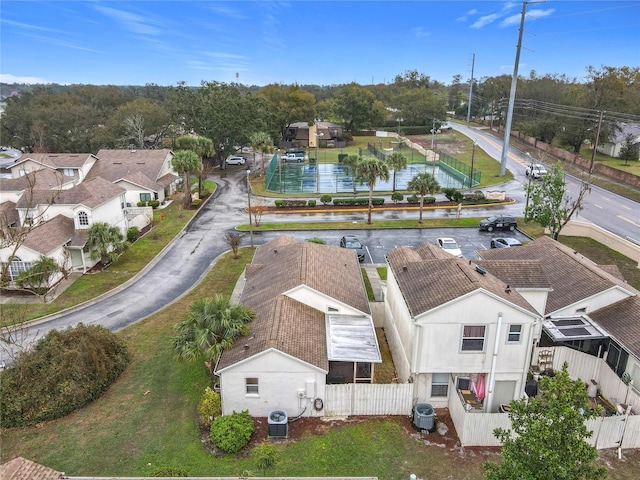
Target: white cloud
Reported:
[(485, 20), (133, 22), (533, 15), (227, 12), (9, 78), (420, 32)]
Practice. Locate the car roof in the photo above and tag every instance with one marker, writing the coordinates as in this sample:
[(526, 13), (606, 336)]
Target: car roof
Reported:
[(446, 239)]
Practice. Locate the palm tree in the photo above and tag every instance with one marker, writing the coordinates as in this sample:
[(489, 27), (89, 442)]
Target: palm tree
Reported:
[(396, 161), (368, 171), (423, 183), (201, 146), (185, 162), (210, 326), (105, 241), (351, 163), (260, 141)]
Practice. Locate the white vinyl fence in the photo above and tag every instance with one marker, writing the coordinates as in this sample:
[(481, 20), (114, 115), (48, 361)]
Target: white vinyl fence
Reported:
[(368, 399)]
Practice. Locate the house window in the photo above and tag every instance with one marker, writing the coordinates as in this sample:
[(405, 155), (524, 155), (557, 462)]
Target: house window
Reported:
[(439, 384), (515, 333), (473, 338), (83, 219), (68, 172), (463, 383), (252, 386), (22, 172), (16, 266), (145, 197), (28, 219)]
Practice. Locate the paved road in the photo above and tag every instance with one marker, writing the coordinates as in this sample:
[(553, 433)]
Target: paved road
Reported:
[(612, 212)]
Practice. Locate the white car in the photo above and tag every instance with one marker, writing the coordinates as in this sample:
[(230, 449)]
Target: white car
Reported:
[(449, 245), (236, 160), (536, 170)]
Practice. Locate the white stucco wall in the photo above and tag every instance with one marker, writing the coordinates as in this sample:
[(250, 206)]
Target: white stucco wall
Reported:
[(133, 192), (595, 302), (537, 298), (280, 377), (319, 301)]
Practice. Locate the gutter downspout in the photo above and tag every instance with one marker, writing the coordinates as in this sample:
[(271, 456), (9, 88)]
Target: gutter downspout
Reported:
[(494, 360), (526, 370)]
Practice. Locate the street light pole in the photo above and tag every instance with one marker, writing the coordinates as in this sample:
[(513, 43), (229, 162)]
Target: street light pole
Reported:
[(595, 143), (249, 207), (526, 205)]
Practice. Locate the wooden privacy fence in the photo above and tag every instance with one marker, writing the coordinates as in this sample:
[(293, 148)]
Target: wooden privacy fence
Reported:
[(368, 399)]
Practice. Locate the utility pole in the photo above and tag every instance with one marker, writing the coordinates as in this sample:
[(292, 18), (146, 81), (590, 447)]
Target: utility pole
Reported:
[(473, 62), (512, 95), (595, 143)]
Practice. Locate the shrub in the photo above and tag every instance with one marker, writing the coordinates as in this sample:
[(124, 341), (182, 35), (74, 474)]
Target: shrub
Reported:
[(341, 157), (132, 234), (397, 197), (266, 455), (154, 203), (232, 432), (429, 200), (210, 406), (195, 203), (358, 201), (452, 194), (141, 204), (311, 203), (279, 203), (413, 199), (326, 199), (63, 372), (290, 203), (317, 240), (205, 193)]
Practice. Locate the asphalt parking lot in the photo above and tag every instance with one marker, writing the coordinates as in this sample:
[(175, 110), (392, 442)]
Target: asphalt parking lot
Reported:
[(378, 242)]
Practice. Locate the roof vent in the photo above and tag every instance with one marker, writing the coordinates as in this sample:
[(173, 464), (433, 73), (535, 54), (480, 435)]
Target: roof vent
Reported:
[(275, 251), (508, 289), (404, 269), (480, 270), (246, 346)]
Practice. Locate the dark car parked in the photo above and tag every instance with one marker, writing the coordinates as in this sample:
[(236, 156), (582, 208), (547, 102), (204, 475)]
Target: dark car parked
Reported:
[(350, 241), (498, 222)]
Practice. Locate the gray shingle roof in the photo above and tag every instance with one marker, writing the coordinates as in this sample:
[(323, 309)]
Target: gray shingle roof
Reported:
[(90, 193), (282, 322), (44, 179), (141, 167), (572, 276), (57, 160), (428, 281), (622, 321), (50, 235)]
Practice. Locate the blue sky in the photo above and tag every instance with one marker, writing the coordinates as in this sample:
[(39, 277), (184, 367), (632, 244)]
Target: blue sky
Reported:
[(307, 42)]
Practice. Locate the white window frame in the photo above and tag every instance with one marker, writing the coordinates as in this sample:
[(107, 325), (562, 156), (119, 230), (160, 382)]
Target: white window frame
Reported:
[(69, 172), (440, 385), (471, 339), (512, 333), (83, 218), (252, 386)]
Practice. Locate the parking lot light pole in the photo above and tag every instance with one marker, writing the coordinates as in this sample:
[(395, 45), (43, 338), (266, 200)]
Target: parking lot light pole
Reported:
[(249, 207), (526, 204)]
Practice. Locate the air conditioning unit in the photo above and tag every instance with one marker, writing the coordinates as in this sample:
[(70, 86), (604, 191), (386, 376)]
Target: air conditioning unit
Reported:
[(300, 393)]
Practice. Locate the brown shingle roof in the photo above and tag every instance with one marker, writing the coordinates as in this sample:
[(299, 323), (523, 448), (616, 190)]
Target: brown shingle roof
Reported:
[(282, 322), (22, 469), (57, 160), (8, 214), (622, 321), (90, 193), (427, 281), (44, 179), (518, 273), (141, 167), (49, 235), (572, 276)]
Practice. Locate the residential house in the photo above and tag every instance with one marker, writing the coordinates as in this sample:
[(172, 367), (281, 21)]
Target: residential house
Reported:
[(313, 326), (612, 146), (74, 165), (590, 308), (56, 221), (322, 134), (11, 189), (144, 174), (456, 330)]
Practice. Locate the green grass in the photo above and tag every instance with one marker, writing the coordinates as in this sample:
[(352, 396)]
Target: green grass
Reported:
[(367, 285), (382, 271), (376, 223)]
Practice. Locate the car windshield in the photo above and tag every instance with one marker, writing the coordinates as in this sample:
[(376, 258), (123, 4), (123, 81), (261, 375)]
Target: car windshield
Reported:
[(450, 245), (492, 219), (353, 244)]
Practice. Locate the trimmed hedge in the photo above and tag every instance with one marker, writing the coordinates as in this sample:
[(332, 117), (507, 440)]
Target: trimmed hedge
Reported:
[(358, 201), (63, 372), (312, 203), (290, 203)]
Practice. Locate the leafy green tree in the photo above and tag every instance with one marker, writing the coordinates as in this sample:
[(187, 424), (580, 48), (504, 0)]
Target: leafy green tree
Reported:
[(547, 201), (630, 149), (547, 439), (186, 162), (210, 326), (288, 104), (396, 161), (39, 275), (420, 107), (357, 107), (369, 170), (423, 184), (261, 141), (201, 146), (105, 242), (351, 163)]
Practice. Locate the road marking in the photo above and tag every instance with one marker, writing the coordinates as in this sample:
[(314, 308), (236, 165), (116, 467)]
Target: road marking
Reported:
[(625, 207), (627, 220), (598, 206), (606, 199)]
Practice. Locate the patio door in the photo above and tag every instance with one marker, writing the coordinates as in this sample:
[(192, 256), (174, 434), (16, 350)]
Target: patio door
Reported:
[(503, 393)]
